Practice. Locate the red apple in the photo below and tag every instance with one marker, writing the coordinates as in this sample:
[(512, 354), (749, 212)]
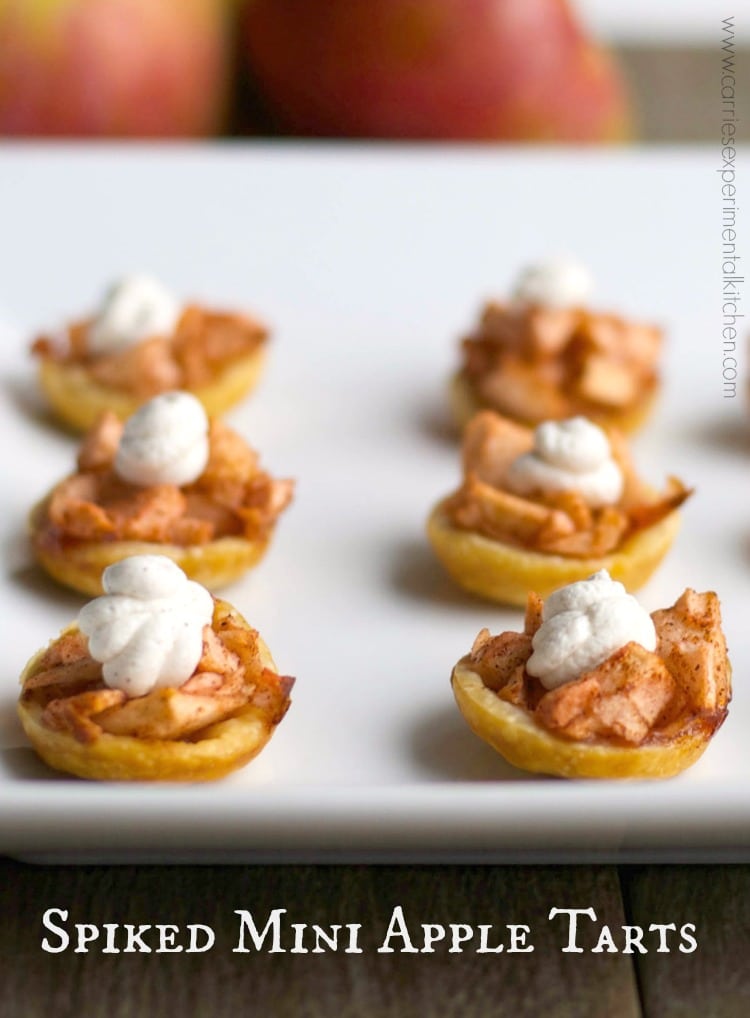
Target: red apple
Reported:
[(113, 67), (456, 69)]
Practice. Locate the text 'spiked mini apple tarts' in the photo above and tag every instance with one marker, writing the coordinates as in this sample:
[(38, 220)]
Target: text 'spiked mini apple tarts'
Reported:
[(594, 687), (541, 508), (142, 342), (157, 681), (168, 481), (544, 355)]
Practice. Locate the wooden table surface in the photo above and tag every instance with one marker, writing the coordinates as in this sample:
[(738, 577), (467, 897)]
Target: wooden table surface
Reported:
[(675, 93), (711, 982)]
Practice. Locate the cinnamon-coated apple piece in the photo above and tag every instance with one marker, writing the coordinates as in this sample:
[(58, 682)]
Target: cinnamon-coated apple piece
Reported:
[(578, 693)]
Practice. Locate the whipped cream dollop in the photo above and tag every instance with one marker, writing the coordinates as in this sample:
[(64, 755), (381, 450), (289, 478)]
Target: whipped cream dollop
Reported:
[(571, 455), (584, 624), (164, 442), (134, 309), (555, 283), (147, 628)]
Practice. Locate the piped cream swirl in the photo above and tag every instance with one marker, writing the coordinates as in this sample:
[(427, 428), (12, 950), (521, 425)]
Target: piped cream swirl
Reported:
[(164, 442), (571, 455), (584, 624), (135, 308), (555, 283), (147, 628)]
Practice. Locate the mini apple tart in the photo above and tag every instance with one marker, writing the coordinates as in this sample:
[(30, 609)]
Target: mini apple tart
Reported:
[(594, 687), (167, 481), (540, 508), (544, 356), (156, 681), (142, 342)]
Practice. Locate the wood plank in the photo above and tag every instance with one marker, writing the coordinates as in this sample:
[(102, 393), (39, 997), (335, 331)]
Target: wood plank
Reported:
[(222, 982), (675, 91), (713, 980)]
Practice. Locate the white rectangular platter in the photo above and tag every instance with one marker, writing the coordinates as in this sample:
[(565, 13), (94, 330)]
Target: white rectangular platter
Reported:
[(370, 263)]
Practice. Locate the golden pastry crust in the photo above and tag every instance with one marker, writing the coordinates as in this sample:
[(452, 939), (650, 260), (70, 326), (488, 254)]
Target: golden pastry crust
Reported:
[(80, 387), (524, 744), (215, 529), (505, 573), (535, 363), (78, 400), (206, 754), (676, 738), (80, 565), (500, 545)]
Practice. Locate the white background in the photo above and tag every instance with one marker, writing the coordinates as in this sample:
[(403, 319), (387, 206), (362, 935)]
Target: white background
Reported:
[(369, 264)]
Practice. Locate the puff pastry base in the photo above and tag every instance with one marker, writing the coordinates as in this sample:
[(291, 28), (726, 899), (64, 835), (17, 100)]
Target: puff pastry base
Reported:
[(505, 573), (208, 754), (80, 564), (78, 400), (512, 731)]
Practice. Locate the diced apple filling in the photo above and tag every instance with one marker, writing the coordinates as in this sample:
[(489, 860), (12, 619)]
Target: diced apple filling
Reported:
[(68, 685), (204, 342), (635, 695), (233, 496), (560, 524), (537, 363)]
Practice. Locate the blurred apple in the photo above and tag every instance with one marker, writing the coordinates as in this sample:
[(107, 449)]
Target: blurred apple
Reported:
[(134, 68), (456, 69)]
